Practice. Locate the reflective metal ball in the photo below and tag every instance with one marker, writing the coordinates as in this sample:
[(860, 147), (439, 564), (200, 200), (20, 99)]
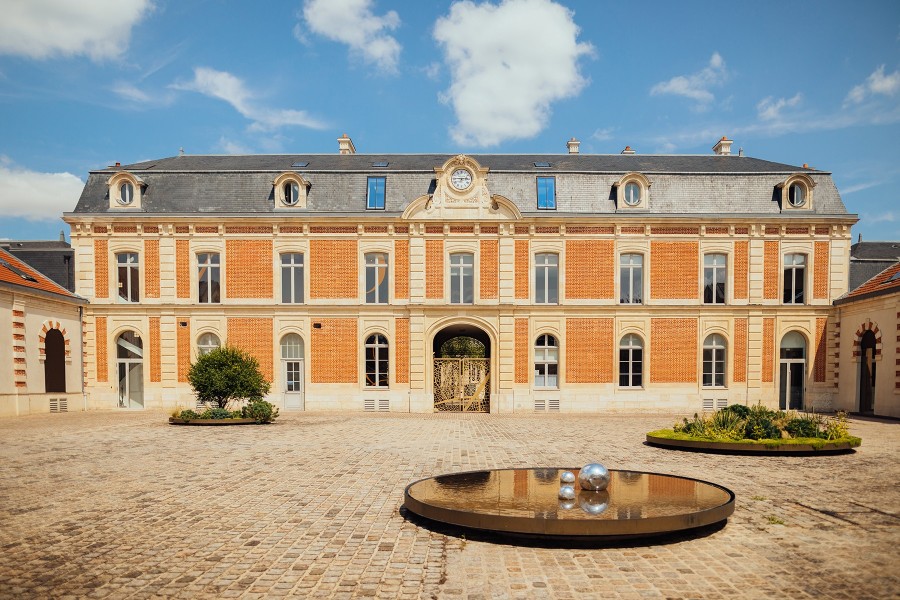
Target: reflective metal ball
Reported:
[(567, 504), (593, 477), (567, 492), (567, 477), (593, 503)]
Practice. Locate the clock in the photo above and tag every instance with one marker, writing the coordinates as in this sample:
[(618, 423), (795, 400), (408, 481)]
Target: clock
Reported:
[(461, 179)]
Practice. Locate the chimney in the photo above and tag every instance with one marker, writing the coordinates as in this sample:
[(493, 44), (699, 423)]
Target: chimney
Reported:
[(723, 147), (62, 235), (345, 145), (627, 150), (573, 145)]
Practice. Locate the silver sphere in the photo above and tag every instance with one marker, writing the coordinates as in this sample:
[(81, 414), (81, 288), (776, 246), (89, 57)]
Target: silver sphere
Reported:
[(594, 503), (567, 492), (567, 477), (593, 477), (567, 504)]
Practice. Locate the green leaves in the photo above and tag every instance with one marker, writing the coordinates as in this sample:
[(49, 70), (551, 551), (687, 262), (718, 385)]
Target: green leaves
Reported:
[(227, 374)]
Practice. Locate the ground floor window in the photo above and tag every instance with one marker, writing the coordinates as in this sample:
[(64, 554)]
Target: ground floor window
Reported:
[(376, 361), (546, 362)]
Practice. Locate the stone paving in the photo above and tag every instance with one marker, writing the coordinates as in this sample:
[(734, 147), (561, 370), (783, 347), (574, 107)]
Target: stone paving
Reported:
[(123, 505)]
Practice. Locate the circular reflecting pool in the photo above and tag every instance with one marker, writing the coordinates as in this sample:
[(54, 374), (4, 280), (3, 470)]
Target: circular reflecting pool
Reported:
[(525, 501)]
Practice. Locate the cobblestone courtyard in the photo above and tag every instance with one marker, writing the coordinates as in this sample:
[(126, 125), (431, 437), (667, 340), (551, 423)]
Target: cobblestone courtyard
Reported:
[(122, 505)]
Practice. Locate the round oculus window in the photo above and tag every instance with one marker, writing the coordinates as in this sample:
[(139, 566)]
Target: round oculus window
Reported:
[(797, 195), (461, 179), (291, 193), (632, 194), (126, 193)]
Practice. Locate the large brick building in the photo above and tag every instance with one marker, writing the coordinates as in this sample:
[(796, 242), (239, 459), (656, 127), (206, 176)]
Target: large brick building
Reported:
[(594, 282)]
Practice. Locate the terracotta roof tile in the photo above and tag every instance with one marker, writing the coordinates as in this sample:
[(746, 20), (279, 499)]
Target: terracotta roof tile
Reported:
[(887, 280), (36, 280)]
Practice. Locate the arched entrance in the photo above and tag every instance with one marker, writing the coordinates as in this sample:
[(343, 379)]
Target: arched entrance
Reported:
[(792, 371), (867, 372), (54, 362), (130, 369), (462, 369), (292, 371)]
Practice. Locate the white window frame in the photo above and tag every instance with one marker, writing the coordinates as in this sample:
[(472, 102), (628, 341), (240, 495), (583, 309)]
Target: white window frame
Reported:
[(378, 344), (717, 346), (460, 273), (546, 355), (634, 343), (542, 296), (131, 285), (631, 268), (376, 263), (291, 271)]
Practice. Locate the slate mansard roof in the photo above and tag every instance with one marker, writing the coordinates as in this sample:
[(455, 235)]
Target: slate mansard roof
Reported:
[(243, 185)]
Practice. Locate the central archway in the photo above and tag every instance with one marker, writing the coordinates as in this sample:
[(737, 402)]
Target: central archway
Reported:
[(462, 369)]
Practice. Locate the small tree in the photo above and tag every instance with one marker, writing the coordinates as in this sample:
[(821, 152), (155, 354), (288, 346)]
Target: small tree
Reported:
[(227, 374)]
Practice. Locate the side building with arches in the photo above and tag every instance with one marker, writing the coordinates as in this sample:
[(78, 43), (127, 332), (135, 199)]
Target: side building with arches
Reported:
[(40, 342), (582, 283)]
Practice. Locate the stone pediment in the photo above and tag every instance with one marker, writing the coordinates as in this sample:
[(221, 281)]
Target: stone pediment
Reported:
[(461, 192)]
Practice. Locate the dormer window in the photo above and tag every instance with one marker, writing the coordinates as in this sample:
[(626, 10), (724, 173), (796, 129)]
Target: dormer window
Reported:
[(125, 190), (632, 191), (797, 192), (290, 190)]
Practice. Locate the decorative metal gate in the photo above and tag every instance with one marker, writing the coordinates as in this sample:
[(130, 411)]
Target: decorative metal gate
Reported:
[(462, 384)]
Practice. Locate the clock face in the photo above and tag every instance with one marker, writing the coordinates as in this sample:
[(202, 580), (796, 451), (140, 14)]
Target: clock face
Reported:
[(461, 179)]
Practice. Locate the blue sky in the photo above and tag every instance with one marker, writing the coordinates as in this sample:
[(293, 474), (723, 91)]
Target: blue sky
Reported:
[(86, 84)]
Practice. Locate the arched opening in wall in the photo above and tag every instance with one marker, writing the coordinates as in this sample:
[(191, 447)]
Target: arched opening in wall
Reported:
[(130, 370), (54, 362), (867, 373), (292, 371), (792, 371), (462, 364)]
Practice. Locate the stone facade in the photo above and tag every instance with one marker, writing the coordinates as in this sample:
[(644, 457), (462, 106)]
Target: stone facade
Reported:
[(727, 207)]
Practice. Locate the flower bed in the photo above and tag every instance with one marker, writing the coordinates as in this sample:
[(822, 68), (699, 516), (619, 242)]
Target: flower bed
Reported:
[(256, 411), (757, 429)]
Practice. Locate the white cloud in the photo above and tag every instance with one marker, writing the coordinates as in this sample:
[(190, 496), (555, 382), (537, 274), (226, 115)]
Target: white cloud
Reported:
[(433, 71), (602, 135), (876, 83), (227, 87), (100, 29), (508, 64), (696, 85), (353, 23), (34, 195), (232, 147), (770, 109)]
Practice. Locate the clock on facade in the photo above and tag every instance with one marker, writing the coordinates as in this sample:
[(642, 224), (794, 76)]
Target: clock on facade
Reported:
[(461, 179)]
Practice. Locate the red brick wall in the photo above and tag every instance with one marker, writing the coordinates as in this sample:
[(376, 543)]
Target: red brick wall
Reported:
[(434, 269), (590, 269), (183, 268), (521, 269), (151, 268), (334, 269), (674, 271), (401, 327), (768, 350), (183, 341), (770, 270), (488, 272), (248, 268), (334, 351), (673, 350), (401, 268), (253, 335), (820, 271), (101, 268), (821, 351), (589, 350), (155, 362), (522, 349), (740, 351), (741, 269), (102, 353)]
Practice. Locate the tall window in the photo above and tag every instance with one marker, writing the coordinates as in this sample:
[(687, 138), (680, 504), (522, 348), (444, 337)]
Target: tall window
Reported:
[(292, 278), (207, 342), (715, 269), (208, 278), (127, 263), (794, 278), (631, 278), (546, 278), (376, 361), (462, 278), (714, 361), (546, 362), (376, 278), (631, 361), (546, 192), (375, 196)]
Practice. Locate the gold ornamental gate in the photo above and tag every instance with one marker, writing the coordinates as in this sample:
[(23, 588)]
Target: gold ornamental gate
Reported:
[(462, 384)]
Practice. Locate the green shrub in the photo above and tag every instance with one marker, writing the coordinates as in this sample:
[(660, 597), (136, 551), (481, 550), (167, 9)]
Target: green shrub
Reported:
[(697, 427), (837, 426), (188, 415), (760, 424), (227, 374), (260, 410), (805, 426), (216, 413), (727, 424), (739, 409)]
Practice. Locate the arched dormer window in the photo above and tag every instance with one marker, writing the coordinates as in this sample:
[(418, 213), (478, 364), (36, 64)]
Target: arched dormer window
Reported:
[(632, 191), (797, 192), (125, 190), (290, 190)]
